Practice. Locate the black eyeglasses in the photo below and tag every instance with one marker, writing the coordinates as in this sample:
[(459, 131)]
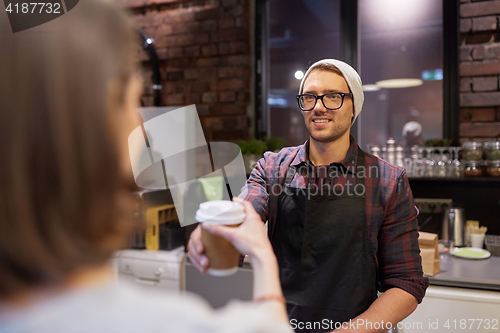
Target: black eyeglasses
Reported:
[(331, 101)]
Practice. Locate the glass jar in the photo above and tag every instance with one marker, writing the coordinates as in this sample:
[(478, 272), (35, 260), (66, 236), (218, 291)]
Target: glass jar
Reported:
[(472, 168), (472, 151), (493, 168), (492, 150)]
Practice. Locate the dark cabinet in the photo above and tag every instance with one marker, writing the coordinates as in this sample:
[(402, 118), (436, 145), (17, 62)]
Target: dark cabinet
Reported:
[(480, 197)]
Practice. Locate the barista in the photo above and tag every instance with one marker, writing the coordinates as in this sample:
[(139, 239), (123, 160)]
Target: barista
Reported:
[(342, 222)]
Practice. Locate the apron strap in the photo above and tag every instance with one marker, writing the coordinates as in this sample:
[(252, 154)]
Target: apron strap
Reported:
[(273, 200), (360, 163), (290, 173)]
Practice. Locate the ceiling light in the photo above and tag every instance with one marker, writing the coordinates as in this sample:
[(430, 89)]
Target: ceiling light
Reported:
[(399, 83), (299, 75), (370, 87)]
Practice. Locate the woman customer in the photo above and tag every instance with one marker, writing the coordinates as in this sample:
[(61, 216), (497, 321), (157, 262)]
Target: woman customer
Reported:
[(68, 93)]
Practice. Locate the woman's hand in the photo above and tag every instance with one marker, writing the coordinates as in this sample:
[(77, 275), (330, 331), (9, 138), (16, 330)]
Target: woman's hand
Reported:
[(250, 238)]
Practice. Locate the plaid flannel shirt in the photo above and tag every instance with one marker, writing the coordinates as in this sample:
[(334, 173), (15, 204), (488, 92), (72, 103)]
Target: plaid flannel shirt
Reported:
[(391, 215)]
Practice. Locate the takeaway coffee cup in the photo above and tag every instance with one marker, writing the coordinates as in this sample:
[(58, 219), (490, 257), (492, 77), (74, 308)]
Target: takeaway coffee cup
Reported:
[(223, 258)]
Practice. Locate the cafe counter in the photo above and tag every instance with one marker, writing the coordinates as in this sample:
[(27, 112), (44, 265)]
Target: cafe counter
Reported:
[(476, 274), (463, 297)]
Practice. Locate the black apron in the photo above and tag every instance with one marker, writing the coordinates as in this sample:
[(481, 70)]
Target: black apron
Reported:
[(327, 268)]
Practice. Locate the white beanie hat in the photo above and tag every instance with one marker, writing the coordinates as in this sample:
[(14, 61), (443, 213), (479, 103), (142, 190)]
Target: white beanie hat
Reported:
[(352, 78)]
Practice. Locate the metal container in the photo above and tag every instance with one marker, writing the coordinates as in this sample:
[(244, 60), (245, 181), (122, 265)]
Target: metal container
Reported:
[(454, 226)]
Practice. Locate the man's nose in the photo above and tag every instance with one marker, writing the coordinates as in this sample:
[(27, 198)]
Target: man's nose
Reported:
[(319, 107)]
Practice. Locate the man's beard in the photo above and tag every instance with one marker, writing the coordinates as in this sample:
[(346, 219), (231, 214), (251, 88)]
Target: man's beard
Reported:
[(334, 135)]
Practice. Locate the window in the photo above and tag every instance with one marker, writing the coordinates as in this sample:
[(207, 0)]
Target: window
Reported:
[(300, 33), (401, 39), (397, 39)]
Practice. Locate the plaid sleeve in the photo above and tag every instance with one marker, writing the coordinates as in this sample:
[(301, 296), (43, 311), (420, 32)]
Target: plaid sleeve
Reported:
[(399, 252), (255, 192), (255, 189)]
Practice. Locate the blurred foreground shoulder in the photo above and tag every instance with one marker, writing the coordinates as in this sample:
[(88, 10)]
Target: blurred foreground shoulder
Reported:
[(126, 308)]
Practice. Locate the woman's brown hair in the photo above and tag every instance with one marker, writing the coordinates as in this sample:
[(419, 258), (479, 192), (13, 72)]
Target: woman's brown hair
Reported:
[(62, 189)]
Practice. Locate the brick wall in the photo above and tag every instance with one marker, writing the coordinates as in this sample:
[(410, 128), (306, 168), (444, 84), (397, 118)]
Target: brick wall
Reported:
[(205, 59), (479, 70)]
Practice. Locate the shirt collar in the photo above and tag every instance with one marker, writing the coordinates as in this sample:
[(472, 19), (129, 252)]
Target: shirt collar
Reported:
[(349, 162)]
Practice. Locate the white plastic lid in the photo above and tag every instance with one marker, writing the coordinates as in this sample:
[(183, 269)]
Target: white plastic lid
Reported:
[(220, 212)]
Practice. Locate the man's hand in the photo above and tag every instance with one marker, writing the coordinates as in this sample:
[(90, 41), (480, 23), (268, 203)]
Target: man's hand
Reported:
[(196, 251)]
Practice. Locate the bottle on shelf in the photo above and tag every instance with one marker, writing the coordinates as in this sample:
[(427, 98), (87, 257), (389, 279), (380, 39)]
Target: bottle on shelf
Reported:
[(391, 151)]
